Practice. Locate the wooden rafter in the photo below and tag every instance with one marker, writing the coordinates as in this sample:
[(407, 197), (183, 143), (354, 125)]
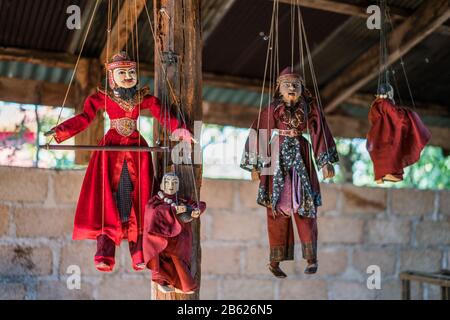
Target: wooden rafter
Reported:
[(357, 10), (77, 37), (405, 37), (423, 108), (35, 92), (52, 94), (67, 61), (45, 58), (213, 13), (120, 32)]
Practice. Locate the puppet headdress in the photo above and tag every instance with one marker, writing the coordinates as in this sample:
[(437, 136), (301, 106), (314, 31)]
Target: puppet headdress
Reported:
[(289, 73), (120, 60)]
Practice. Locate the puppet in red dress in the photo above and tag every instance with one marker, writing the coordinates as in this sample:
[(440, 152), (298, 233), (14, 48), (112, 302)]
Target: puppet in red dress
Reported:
[(289, 187), (117, 185), (167, 238), (396, 138)]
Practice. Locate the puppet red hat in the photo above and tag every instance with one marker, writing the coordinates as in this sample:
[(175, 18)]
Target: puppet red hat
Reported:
[(289, 73), (120, 60)]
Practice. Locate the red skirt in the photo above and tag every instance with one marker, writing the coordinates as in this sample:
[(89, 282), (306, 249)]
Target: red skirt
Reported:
[(97, 212), (396, 138)]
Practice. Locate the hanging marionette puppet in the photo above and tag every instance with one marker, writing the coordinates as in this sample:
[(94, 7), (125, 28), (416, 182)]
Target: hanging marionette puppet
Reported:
[(397, 135), (396, 138), (167, 238), (117, 185), (289, 187)]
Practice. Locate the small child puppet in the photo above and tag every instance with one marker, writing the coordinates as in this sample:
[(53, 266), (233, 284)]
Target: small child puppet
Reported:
[(167, 238), (396, 138)]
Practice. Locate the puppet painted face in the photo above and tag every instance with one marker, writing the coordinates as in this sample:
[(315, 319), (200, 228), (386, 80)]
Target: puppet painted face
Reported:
[(170, 184), (290, 90), (125, 77)]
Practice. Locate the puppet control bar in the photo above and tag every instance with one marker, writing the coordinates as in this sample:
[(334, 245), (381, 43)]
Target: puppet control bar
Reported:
[(105, 148)]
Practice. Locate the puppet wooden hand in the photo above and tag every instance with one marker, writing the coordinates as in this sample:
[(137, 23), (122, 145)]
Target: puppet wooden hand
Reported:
[(195, 213), (255, 175), (181, 209), (182, 135), (328, 171), (52, 132)]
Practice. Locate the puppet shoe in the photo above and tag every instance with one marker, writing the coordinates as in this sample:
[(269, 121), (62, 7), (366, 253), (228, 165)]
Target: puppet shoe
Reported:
[(103, 267), (311, 268), (391, 178), (277, 272), (139, 266), (165, 289), (184, 292)]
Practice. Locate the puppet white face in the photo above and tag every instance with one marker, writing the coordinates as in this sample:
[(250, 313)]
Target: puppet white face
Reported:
[(170, 185), (290, 90), (125, 77)]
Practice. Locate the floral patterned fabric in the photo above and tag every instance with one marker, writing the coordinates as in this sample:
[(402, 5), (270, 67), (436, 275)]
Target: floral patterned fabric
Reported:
[(294, 154)]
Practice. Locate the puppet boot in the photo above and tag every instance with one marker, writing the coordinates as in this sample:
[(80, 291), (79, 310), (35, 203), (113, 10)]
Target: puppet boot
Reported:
[(105, 256), (274, 267), (184, 292), (165, 288), (312, 267)]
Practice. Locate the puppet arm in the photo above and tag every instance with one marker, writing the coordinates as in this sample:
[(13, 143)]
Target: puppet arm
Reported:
[(80, 122), (323, 143), (167, 119)]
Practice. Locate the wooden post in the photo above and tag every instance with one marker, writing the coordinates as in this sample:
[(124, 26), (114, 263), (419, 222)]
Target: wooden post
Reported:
[(88, 76), (178, 43), (406, 289)]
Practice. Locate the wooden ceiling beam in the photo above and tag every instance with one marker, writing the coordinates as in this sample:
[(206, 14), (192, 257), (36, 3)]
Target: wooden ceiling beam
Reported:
[(45, 58), (36, 92), (429, 16), (120, 31), (422, 108), (52, 94), (357, 10), (213, 13), (78, 35)]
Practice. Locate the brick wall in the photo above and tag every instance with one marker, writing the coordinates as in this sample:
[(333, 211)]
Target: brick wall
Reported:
[(394, 229)]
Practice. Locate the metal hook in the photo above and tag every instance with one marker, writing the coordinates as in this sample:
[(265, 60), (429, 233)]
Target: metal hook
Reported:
[(163, 10)]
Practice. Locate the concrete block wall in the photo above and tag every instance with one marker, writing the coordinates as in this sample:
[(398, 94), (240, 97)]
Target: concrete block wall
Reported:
[(394, 229)]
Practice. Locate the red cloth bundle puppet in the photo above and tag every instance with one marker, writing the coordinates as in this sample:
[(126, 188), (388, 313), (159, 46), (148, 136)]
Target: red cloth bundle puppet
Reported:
[(117, 185), (396, 138), (168, 237)]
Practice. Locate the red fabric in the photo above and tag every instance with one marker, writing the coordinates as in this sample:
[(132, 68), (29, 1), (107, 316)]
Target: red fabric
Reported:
[(322, 141), (281, 236), (167, 244), (97, 212), (396, 138)]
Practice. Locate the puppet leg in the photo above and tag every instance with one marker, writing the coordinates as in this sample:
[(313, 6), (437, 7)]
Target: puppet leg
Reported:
[(176, 273), (281, 241), (137, 255), (123, 194), (105, 256), (307, 230)]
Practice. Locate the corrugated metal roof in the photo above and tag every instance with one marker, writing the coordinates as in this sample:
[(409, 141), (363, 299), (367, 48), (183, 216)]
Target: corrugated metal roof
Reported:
[(235, 48), (39, 25), (28, 71)]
